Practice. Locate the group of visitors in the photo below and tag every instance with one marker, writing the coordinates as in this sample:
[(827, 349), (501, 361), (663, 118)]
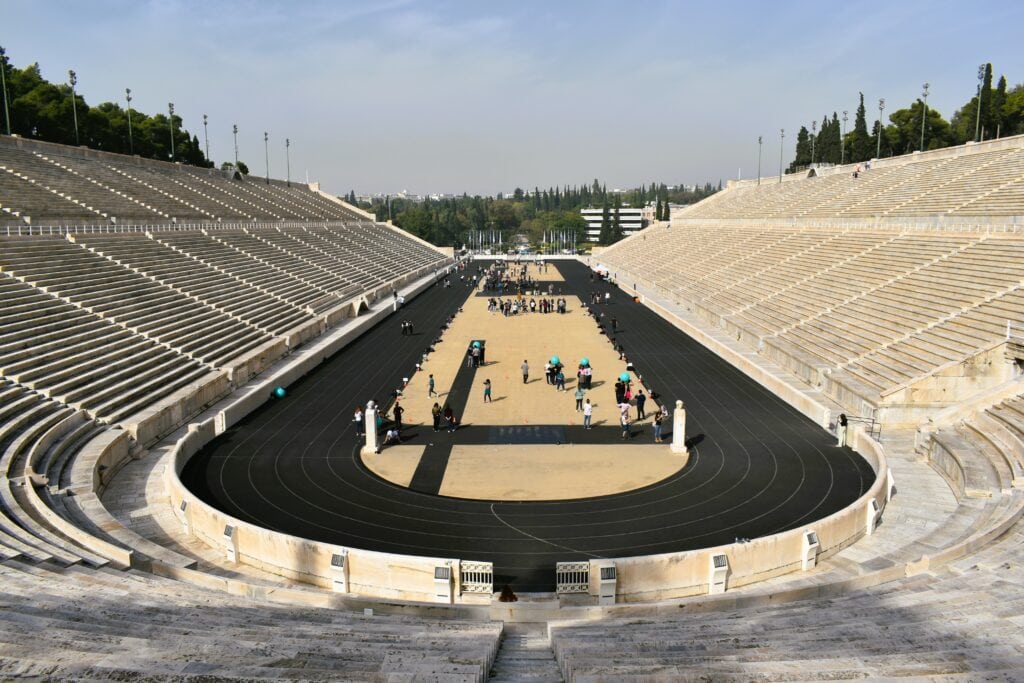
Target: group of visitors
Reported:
[(519, 304), (444, 418)]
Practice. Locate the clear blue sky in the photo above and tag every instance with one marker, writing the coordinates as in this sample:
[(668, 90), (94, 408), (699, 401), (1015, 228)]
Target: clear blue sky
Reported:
[(380, 96)]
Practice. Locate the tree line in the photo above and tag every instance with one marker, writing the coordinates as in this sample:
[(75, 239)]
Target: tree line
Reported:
[(47, 111), (913, 127), (534, 213)]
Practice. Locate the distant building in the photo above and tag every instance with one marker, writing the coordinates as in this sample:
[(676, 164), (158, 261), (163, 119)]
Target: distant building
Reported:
[(630, 220)]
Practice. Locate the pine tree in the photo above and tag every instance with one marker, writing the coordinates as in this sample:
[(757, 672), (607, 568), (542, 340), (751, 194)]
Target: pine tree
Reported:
[(605, 236), (803, 150), (828, 140), (616, 223), (860, 143), (998, 104), (657, 210)]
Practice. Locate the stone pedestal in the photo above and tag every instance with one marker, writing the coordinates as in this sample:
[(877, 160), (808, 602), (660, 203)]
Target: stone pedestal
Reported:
[(372, 437), (679, 429)]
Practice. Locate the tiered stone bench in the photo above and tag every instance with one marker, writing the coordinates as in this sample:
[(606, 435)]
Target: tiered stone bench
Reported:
[(83, 628)]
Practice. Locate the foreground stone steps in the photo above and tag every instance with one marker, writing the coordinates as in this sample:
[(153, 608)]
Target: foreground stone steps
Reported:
[(525, 655), (87, 623)]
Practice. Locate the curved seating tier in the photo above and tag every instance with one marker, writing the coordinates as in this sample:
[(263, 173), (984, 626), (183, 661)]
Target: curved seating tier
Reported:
[(83, 628), (959, 624), (47, 184), (983, 180), (874, 309)]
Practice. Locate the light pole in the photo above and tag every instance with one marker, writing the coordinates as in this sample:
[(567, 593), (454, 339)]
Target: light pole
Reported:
[(73, 79), (288, 160), (814, 134), (881, 108), (266, 152), (206, 138), (128, 96), (759, 141), (3, 82), (977, 123), (782, 138), (842, 141), (234, 131), (170, 112), (924, 111)]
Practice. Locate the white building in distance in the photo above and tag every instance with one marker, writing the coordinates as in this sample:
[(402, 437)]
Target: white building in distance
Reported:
[(630, 220)]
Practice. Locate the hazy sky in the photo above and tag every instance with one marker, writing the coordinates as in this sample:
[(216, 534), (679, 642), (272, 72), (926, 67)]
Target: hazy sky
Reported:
[(481, 97)]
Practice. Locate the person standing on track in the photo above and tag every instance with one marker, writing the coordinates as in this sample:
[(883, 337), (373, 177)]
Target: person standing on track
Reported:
[(588, 412), (397, 412), (357, 417), (435, 413), (487, 391), (430, 387), (525, 368), (580, 394), (641, 400)]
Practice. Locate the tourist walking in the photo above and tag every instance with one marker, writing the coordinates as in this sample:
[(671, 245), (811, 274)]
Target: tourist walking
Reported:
[(487, 391), (580, 394), (430, 387), (397, 412), (624, 419), (449, 418), (588, 412), (841, 427), (525, 368), (659, 417)]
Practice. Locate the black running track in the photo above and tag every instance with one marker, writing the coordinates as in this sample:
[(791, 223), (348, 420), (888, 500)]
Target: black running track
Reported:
[(757, 467)]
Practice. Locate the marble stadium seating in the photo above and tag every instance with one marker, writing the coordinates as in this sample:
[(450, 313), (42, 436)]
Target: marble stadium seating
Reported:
[(816, 277)]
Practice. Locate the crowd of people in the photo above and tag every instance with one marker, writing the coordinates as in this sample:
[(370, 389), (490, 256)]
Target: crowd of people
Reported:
[(518, 304), (505, 278), (514, 285)]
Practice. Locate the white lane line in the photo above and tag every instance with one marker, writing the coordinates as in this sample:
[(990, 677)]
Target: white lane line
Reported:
[(541, 540)]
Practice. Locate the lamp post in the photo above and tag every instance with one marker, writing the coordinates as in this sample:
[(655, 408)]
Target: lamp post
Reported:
[(266, 153), (977, 123), (881, 108), (924, 111), (782, 137), (759, 141), (814, 134), (288, 161), (170, 113), (234, 131), (206, 138), (128, 96), (73, 79), (3, 82), (842, 141)]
